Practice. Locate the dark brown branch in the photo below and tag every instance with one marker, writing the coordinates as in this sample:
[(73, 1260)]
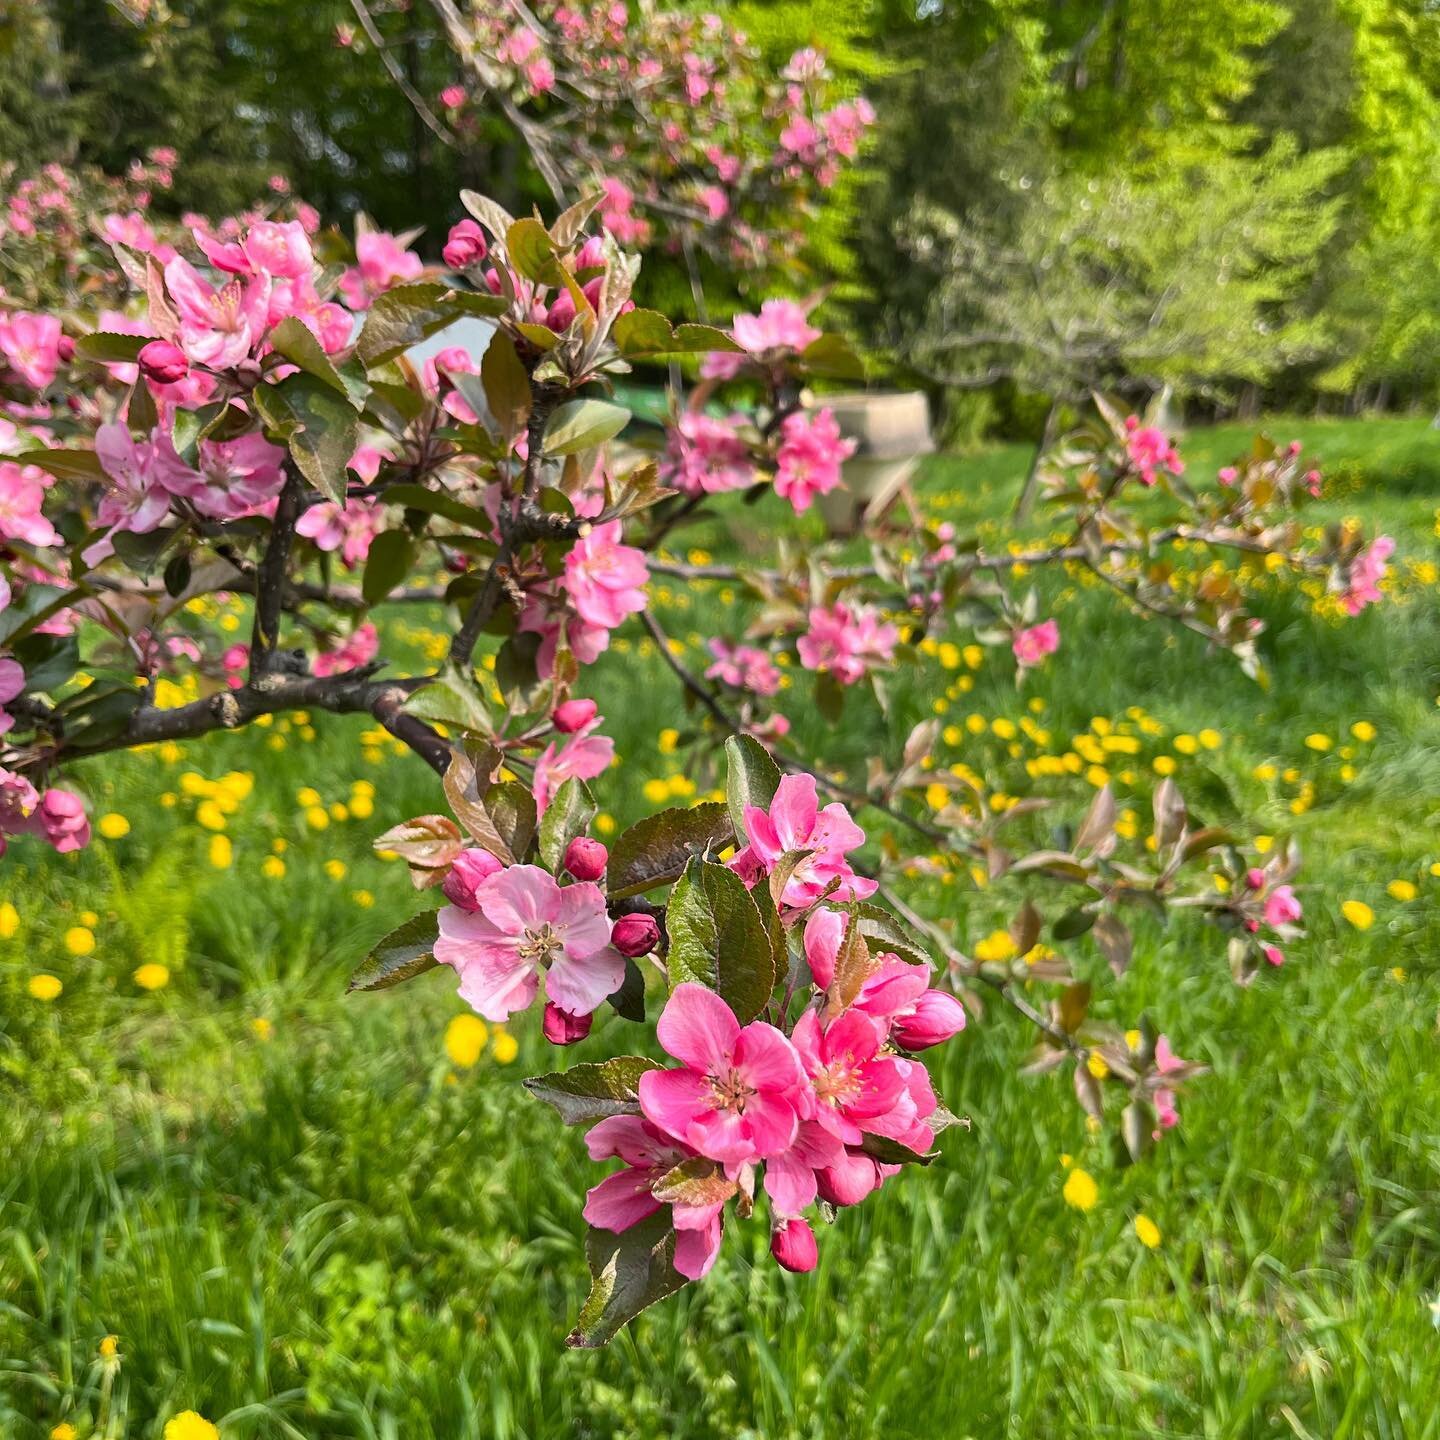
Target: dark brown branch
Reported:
[(270, 581)]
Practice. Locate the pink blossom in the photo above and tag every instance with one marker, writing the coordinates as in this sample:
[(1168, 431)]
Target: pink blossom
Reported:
[(239, 476), (705, 455), (582, 756), (1032, 645), (130, 229), (528, 927), (779, 328), (1366, 572), (18, 800), (714, 201), (12, 683), (218, 328), (349, 531), (358, 648), (627, 1197), (465, 245), (541, 75), (1228, 475), (746, 667), (808, 462), (452, 97), (382, 262), (847, 642), (32, 344), (739, 1090), (61, 820), (21, 495), (1281, 907), (796, 823), (604, 578), (1150, 451)]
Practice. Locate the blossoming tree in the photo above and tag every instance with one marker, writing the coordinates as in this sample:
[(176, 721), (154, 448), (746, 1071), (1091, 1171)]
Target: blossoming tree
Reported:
[(251, 421)]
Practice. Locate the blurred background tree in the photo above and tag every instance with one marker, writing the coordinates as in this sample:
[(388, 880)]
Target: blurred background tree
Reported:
[(1288, 147)]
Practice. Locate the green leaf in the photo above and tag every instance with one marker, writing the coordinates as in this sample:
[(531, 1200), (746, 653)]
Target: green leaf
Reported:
[(35, 605), (406, 315), (718, 938), (582, 425), (593, 1091), (885, 932), (319, 425), (832, 357), (437, 502), (293, 339), (64, 464), (391, 555), (532, 251), (405, 952), (752, 777), (512, 809), (642, 332), (629, 1273), (569, 814), (892, 1152), (451, 698), (49, 661), (107, 348), (507, 386), (1073, 923), (654, 851), (691, 339)]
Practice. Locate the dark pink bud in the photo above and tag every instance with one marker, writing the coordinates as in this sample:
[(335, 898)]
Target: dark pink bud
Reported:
[(561, 312), (591, 255), (563, 1028), (469, 869), (1274, 954), (591, 291), (936, 1017), (1255, 878), (1252, 926), (61, 818), (465, 245), (635, 935), (849, 1182), (792, 1243), (492, 281), (163, 362), (585, 859), (65, 348), (574, 715)]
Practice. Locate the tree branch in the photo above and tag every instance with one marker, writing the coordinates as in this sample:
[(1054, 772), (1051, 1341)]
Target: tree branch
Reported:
[(273, 573)]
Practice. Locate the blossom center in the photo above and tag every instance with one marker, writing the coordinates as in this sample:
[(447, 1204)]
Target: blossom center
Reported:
[(539, 945), (730, 1090), (838, 1083)]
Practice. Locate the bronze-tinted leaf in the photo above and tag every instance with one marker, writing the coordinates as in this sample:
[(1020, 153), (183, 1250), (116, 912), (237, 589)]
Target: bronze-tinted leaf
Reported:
[(629, 1273)]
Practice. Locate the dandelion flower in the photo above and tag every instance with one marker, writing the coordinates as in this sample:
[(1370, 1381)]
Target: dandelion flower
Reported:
[(504, 1047), (189, 1425), (1358, 913), (152, 976), (465, 1038), (1081, 1191), (80, 940), (44, 987), (1401, 890), (113, 826), (1147, 1232), (9, 920), (110, 1347), (221, 852)]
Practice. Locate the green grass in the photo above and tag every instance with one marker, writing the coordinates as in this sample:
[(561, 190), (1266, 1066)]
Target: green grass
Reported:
[(333, 1233)]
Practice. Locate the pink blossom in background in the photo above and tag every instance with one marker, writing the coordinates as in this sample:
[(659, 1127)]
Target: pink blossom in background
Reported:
[(780, 326), (350, 531), (847, 641), (713, 201), (1228, 475), (358, 648), (218, 328), (381, 262), (604, 578), (1281, 906), (18, 800), (739, 1091), (1150, 451), (617, 213), (746, 667), (626, 1197), (12, 683), (795, 822), (582, 755), (60, 819), (810, 455), (21, 495), (31, 345), (1366, 573), (528, 929), (452, 97), (707, 455), (1032, 645)]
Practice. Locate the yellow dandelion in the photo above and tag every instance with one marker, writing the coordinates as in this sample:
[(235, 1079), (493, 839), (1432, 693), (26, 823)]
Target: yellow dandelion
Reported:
[(188, 1425), (44, 987), (110, 1347), (504, 1047), (113, 826), (1401, 890), (262, 1028), (64, 1431), (9, 920), (80, 940), (317, 817), (1080, 1190), (1147, 1232), (1358, 913), (465, 1038), (1318, 742), (335, 869), (221, 852), (272, 867), (152, 976), (998, 945), (1363, 730)]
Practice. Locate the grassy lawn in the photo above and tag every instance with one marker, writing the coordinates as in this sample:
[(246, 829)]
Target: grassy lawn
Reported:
[(300, 1218)]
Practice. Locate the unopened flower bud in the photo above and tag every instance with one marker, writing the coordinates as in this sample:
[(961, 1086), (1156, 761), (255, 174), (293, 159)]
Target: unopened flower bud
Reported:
[(561, 312), (1274, 954), (468, 870), (936, 1017), (849, 1181), (574, 715), (635, 935), (585, 859), (465, 245), (563, 1028), (792, 1243), (1255, 878), (65, 348), (163, 362)]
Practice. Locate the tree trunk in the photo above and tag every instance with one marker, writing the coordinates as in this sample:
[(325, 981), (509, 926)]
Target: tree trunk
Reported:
[(1026, 501)]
